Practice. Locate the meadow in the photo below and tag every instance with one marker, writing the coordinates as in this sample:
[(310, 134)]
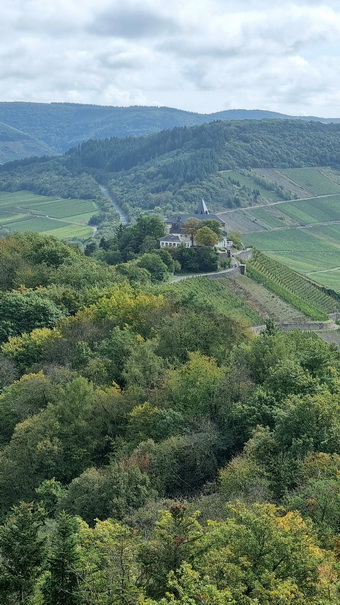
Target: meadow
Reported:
[(314, 251), (64, 218)]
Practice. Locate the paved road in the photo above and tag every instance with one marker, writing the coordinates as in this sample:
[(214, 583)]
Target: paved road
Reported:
[(118, 209)]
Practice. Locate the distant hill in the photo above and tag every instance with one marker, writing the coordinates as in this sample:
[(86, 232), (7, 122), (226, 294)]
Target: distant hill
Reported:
[(15, 144), (64, 125), (170, 170)]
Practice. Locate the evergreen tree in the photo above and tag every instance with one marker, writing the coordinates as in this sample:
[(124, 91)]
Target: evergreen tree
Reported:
[(22, 552), (61, 586)]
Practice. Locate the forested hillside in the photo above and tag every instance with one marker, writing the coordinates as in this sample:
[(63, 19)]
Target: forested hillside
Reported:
[(15, 144), (63, 125), (170, 170), (127, 406)]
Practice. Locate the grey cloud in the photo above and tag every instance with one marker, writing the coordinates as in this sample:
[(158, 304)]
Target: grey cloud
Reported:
[(184, 46), (132, 22), (118, 61)]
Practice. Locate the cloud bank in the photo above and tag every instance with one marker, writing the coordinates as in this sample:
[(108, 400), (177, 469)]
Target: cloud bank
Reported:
[(203, 55)]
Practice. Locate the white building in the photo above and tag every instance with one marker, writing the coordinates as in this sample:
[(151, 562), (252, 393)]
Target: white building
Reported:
[(176, 235)]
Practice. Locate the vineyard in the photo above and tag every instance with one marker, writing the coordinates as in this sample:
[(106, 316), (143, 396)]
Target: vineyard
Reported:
[(299, 291), (24, 211), (314, 180), (213, 294)]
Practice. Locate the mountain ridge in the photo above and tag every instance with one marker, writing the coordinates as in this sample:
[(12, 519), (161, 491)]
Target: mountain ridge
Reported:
[(61, 126)]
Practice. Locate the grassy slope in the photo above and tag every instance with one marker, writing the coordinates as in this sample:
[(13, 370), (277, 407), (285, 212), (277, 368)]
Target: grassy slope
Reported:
[(218, 294), (303, 234)]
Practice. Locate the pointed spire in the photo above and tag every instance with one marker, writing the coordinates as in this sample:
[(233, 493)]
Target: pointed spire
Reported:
[(202, 208)]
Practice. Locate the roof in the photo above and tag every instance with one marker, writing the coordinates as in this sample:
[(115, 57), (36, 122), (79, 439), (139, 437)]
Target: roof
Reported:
[(170, 238), (202, 208), (201, 213)]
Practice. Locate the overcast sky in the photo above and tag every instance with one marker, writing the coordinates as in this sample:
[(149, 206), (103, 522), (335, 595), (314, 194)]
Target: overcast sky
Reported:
[(199, 55)]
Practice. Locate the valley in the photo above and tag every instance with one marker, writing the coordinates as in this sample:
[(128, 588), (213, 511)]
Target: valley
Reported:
[(277, 182)]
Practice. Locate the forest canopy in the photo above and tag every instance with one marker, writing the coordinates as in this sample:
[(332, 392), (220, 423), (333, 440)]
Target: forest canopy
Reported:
[(126, 407)]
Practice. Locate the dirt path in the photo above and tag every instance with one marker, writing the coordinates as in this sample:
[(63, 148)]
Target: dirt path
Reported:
[(232, 271), (255, 206), (323, 271)]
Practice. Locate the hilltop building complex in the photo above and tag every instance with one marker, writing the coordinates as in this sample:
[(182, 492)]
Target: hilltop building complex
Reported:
[(177, 236)]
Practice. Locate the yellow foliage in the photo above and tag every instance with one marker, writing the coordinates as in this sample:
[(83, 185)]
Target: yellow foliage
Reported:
[(128, 307)]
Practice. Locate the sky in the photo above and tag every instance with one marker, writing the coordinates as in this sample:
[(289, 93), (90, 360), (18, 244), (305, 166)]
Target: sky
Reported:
[(197, 55)]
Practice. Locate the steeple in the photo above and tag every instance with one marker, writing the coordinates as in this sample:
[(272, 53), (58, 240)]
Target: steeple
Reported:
[(202, 209)]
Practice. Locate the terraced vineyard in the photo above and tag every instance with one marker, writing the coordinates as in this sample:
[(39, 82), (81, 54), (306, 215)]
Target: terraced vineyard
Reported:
[(304, 233), (299, 291), (25, 211)]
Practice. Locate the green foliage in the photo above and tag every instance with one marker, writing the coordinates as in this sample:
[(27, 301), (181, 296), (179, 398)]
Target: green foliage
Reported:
[(22, 552), (206, 237), (243, 479), (266, 552), (24, 398), (154, 264), (235, 237), (178, 538), (181, 462), (193, 387), (49, 494), (112, 491), (61, 585), (318, 494), (22, 312), (149, 422), (109, 571), (193, 260), (199, 330), (159, 391)]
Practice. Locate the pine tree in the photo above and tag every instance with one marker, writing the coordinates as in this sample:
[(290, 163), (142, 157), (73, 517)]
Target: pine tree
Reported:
[(22, 551), (61, 586)]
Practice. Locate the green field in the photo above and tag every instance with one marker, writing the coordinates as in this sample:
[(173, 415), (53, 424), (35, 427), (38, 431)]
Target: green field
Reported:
[(314, 251), (304, 234), (24, 211), (315, 180), (316, 210)]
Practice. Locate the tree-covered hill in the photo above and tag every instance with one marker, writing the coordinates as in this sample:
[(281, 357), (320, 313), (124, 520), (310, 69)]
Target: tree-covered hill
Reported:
[(170, 170), (63, 125), (15, 144)]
